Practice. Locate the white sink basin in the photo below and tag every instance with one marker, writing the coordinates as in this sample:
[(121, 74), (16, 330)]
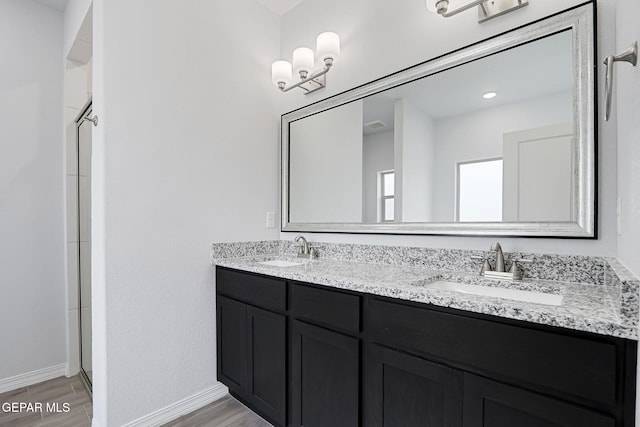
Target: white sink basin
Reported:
[(489, 291), (280, 263)]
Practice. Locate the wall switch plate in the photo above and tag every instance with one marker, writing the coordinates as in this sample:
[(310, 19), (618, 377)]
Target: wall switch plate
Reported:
[(271, 220)]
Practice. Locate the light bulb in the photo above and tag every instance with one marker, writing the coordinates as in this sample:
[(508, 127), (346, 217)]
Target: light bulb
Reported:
[(302, 61), (328, 46), (281, 72)]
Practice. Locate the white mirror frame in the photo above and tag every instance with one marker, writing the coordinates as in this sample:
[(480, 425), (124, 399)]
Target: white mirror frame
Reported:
[(581, 21)]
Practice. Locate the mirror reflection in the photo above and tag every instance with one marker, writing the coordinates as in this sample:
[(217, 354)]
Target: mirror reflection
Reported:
[(487, 141)]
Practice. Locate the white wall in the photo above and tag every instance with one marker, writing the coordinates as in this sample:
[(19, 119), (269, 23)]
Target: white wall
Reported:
[(77, 31), (479, 135), (414, 161), (377, 156), (372, 32), (627, 113), (32, 234), (321, 193), (185, 155)]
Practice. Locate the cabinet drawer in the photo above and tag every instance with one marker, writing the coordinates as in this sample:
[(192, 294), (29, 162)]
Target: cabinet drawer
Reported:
[(580, 367), (327, 307), (256, 290)]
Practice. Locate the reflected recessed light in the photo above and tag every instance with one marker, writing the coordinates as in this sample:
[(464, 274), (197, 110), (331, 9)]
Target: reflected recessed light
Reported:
[(489, 95)]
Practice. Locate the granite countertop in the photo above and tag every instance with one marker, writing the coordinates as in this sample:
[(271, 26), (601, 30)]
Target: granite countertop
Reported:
[(607, 309)]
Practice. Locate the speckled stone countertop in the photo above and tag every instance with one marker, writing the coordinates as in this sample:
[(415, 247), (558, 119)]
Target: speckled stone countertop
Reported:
[(607, 305)]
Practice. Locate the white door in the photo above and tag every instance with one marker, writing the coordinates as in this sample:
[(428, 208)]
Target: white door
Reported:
[(538, 174)]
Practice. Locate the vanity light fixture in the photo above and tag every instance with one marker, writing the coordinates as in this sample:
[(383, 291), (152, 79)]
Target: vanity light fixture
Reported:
[(487, 9), (489, 95), (328, 51)]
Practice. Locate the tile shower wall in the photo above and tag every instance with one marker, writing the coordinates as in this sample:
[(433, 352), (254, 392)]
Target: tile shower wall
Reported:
[(77, 93)]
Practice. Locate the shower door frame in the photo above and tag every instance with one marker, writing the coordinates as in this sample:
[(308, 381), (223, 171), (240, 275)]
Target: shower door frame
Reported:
[(86, 110)]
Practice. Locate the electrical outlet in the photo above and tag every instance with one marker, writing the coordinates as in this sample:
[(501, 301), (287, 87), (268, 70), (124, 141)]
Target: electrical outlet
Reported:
[(271, 220)]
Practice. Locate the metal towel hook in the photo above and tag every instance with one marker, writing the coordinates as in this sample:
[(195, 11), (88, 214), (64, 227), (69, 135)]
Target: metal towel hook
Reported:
[(93, 120), (631, 56)]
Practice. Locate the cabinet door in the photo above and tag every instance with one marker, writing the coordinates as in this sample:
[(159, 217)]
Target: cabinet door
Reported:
[(325, 377), (232, 344), (407, 391), (266, 345), (491, 404)]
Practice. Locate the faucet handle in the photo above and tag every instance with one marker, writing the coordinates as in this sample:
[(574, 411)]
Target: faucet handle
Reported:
[(486, 266), (515, 271), (313, 253)]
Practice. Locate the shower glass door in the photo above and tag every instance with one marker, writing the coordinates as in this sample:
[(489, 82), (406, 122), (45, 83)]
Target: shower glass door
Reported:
[(84, 231)]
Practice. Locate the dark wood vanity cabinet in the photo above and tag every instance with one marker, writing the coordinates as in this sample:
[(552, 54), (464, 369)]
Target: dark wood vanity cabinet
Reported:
[(252, 343), (232, 343), (409, 391), (315, 356), (492, 404), (325, 377), (506, 373), (325, 357)]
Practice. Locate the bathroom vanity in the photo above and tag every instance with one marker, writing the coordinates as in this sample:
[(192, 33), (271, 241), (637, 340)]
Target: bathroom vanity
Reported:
[(343, 343), (379, 336)]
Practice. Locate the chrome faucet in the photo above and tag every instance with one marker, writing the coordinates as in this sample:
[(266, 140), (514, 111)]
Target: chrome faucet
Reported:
[(499, 257), (304, 249), (500, 272)]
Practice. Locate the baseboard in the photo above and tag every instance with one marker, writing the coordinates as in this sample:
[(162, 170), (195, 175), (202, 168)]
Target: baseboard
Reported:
[(33, 377), (181, 407), (71, 372)]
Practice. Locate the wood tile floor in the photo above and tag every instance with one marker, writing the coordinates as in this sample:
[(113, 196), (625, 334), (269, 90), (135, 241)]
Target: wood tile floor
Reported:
[(226, 412), (54, 394)]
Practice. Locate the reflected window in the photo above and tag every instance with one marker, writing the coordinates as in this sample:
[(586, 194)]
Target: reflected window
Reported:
[(479, 195), (386, 190)]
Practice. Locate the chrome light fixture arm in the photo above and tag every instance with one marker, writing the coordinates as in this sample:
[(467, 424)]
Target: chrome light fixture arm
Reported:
[(314, 78), (487, 9), (443, 10)]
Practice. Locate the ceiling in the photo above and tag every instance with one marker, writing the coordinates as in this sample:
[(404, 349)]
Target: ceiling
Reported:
[(279, 7), (55, 4), (537, 69)]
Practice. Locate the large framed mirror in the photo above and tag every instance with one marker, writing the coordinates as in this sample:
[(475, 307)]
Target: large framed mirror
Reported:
[(494, 139)]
